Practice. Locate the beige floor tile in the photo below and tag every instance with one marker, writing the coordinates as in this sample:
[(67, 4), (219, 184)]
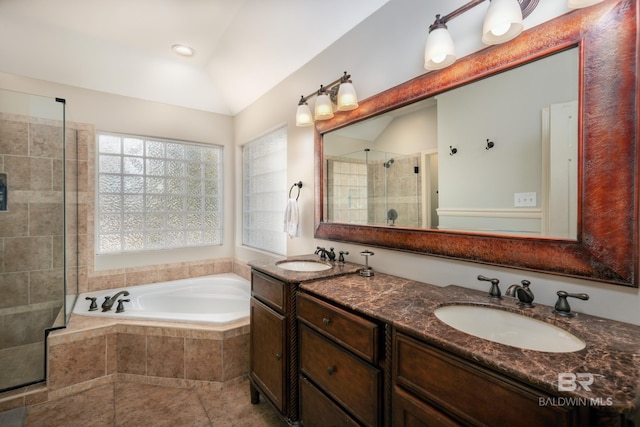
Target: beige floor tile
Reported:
[(232, 406), (90, 408), (144, 405), (140, 405)]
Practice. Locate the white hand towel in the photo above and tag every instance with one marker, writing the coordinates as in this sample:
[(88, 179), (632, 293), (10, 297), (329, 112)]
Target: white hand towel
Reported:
[(292, 219)]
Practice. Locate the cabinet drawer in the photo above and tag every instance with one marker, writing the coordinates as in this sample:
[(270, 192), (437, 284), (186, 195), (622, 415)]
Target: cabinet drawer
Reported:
[(268, 290), (472, 393), (353, 332), (350, 381), (317, 410)]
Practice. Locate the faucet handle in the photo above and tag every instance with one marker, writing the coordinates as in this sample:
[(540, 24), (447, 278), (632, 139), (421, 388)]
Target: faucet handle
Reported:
[(342, 254), (120, 307), (93, 306), (494, 292), (562, 307), (322, 252)]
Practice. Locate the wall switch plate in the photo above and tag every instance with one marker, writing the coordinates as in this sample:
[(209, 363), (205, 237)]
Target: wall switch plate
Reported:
[(521, 200)]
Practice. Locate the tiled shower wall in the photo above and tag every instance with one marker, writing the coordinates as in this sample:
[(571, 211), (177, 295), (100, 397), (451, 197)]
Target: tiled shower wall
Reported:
[(31, 230), (363, 193), (395, 187)]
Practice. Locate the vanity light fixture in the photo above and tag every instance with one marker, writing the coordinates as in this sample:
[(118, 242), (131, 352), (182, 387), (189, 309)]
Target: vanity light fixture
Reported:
[(440, 52), (183, 50), (502, 22), (339, 92)]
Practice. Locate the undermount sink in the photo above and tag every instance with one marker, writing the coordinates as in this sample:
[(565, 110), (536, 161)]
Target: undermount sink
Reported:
[(509, 328), (304, 265)]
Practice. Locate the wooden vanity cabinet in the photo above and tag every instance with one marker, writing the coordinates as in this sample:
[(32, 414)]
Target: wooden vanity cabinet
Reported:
[(434, 388), (273, 344), (341, 377)]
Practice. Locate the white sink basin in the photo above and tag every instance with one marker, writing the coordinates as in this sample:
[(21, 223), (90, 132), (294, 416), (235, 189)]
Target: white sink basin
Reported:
[(303, 265), (509, 328)]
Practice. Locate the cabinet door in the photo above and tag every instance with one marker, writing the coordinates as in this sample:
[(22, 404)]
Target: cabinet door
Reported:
[(411, 412), (267, 353)]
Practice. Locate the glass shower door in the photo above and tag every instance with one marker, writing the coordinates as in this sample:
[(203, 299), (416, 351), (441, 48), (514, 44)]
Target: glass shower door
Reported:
[(34, 230)]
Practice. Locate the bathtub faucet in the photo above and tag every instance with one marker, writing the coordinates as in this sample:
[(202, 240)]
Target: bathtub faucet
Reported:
[(109, 301)]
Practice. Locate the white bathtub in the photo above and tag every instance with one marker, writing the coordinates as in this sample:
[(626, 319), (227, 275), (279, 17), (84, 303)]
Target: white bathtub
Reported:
[(217, 299)]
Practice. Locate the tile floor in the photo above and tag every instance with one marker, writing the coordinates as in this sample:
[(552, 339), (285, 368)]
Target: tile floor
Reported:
[(125, 404)]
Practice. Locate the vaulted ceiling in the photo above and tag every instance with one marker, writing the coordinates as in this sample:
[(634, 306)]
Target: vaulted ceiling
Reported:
[(243, 48)]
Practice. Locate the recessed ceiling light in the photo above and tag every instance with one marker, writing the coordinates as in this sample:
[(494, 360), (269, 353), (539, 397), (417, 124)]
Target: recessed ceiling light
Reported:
[(183, 50)]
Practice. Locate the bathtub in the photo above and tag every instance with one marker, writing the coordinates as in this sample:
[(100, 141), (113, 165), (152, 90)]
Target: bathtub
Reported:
[(217, 299)]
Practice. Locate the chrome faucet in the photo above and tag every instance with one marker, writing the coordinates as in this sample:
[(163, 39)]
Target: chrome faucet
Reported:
[(109, 301), (523, 293)]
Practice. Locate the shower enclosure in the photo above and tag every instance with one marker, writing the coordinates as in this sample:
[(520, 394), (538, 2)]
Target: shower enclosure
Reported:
[(374, 187), (38, 231)]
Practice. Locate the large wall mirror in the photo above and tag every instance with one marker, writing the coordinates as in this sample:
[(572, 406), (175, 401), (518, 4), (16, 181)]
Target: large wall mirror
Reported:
[(522, 155)]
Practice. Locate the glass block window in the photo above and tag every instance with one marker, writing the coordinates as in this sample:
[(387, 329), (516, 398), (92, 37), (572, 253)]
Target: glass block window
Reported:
[(156, 194), (264, 196)]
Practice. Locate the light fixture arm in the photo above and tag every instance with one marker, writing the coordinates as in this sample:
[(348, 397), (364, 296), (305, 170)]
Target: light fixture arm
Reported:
[(331, 88), (459, 11), (526, 6)]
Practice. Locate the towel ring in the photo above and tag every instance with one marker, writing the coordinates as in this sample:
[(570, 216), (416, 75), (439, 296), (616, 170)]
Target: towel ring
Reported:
[(297, 184)]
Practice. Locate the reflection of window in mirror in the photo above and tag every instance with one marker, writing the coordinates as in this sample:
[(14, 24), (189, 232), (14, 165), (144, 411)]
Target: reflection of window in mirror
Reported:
[(525, 185)]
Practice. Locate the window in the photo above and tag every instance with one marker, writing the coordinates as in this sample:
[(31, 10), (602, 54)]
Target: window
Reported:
[(157, 194), (264, 182)]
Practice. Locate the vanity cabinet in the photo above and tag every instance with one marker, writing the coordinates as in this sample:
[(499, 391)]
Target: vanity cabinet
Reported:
[(273, 343), (341, 372), (434, 388)]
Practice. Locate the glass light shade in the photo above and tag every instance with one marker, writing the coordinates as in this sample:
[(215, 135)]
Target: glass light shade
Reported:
[(440, 51), (578, 4), (304, 116), (503, 22), (324, 109), (347, 98)]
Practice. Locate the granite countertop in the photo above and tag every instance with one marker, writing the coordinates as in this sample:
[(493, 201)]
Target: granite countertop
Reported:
[(269, 266), (612, 353)]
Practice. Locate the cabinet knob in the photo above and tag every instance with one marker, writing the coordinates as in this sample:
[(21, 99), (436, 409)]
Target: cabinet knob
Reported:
[(331, 370), (326, 321), (278, 356)]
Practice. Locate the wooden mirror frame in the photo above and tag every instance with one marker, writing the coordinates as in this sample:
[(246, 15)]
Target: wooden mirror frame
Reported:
[(606, 248)]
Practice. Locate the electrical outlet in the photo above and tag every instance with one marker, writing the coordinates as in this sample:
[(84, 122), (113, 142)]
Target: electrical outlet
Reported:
[(521, 200)]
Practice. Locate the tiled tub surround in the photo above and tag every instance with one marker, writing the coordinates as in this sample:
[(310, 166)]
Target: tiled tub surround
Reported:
[(91, 352), (612, 351)]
